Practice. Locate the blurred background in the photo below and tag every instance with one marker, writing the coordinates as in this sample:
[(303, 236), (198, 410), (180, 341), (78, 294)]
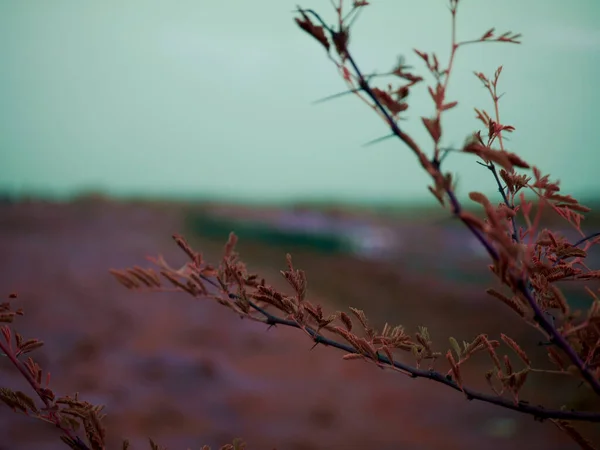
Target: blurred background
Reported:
[(122, 123)]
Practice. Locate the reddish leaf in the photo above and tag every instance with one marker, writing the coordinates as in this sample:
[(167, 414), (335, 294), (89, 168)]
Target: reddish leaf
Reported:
[(434, 128), (448, 106)]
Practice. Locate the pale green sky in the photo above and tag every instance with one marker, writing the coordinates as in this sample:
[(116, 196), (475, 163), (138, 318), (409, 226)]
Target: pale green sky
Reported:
[(214, 97)]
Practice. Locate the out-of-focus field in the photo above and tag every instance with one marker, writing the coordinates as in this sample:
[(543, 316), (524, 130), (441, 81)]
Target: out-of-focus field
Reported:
[(188, 372)]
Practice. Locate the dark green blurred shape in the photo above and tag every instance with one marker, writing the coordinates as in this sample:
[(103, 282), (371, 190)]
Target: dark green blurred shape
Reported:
[(219, 228)]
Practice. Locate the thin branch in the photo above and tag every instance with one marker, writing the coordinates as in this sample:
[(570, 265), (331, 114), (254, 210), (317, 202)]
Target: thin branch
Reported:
[(8, 351), (554, 335), (492, 168), (538, 412), (586, 238)]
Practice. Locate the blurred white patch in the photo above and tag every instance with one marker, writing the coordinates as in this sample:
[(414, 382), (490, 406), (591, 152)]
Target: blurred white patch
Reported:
[(373, 242)]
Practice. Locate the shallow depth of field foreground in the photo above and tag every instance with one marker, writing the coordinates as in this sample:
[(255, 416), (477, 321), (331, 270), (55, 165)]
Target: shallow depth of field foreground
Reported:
[(189, 372)]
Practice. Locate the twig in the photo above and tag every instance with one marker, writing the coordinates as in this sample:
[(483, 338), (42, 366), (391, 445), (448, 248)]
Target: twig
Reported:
[(538, 412), (8, 351), (545, 324)]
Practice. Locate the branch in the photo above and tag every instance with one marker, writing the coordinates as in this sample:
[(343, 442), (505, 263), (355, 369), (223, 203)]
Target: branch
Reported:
[(8, 351), (538, 412), (432, 167)]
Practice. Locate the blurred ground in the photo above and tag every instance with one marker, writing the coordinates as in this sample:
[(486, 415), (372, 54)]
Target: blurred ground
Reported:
[(188, 372)]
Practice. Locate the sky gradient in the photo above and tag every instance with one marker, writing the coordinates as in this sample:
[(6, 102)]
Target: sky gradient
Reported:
[(213, 98)]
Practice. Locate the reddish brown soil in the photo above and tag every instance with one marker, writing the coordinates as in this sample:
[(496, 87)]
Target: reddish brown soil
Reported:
[(187, 372)]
